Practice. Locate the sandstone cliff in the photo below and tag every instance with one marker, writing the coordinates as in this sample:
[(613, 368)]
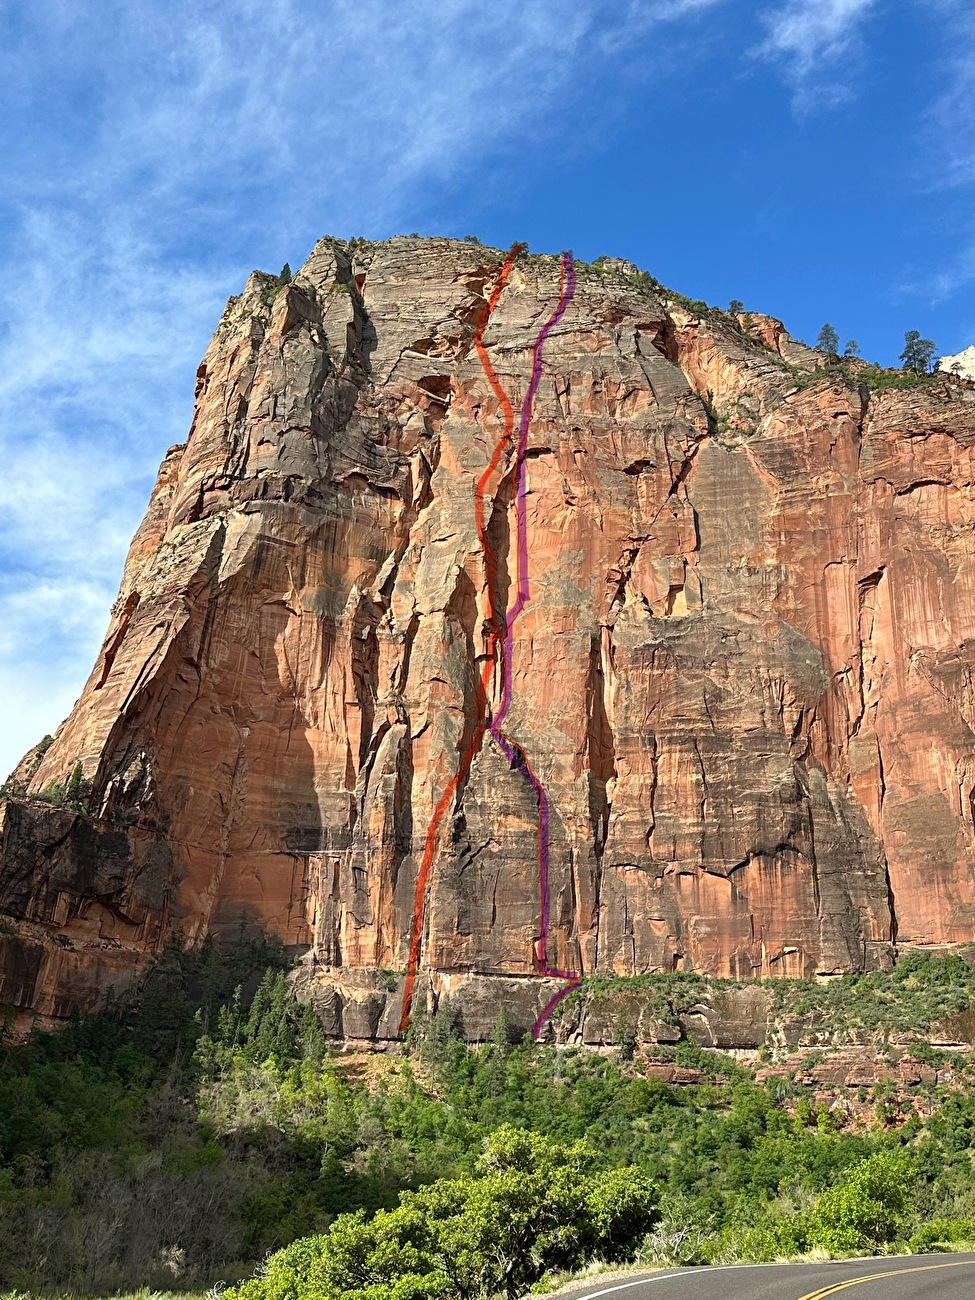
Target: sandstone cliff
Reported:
[(723, 602)]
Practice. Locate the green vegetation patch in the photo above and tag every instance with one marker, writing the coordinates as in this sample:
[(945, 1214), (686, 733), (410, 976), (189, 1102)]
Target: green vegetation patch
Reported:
[(920, 990), (878, 380), (532, 1207), (854, 374), (181, 1136), (905, 1001)]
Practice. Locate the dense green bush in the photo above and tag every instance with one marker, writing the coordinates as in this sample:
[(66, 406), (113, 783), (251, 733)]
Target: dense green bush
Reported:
[(73, 793), (533, 1206), (920, 990), (879, 380), (939, 1233), (866, 1209)]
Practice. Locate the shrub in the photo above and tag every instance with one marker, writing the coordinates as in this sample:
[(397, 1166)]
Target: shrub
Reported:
[(942, 1232), (271, 290), (775, 1236), (881, 381), (534, 1206), (73, 793), (866, 1209)]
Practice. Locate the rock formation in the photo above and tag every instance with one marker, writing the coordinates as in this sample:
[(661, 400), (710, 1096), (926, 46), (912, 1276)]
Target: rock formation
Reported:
[(962, 363), (743, 684)]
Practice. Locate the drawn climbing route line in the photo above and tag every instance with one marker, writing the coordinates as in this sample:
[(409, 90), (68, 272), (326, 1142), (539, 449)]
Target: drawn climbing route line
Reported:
[(433, 830), (500, 638)]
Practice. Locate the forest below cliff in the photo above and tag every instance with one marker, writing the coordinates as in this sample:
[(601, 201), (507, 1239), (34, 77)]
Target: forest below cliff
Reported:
[(176, 1140)]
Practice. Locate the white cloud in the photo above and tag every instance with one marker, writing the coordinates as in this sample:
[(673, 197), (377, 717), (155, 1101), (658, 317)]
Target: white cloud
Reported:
[(49, 637), (813, 41), (74, 607), (96, 370), (946, 170), (954, 276), (669, 11), (951, 117), (152, 155), (642, 15)]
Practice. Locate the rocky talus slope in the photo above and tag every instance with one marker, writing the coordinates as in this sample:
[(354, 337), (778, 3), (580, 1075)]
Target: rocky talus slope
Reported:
[(743, 680)]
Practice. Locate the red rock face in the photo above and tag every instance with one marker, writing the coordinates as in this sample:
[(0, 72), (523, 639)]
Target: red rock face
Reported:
[(744, 677)]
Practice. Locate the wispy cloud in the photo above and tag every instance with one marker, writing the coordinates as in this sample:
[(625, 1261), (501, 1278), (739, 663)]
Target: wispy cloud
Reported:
[(946, 169), (951, 117), (955, 275), (642, 16), (152, 155), (814, 42)]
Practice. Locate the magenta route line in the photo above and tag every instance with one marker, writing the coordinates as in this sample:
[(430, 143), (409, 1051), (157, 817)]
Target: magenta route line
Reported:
[(513, 752)]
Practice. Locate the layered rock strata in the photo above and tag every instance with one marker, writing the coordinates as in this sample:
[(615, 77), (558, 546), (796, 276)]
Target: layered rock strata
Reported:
[(744, 677)]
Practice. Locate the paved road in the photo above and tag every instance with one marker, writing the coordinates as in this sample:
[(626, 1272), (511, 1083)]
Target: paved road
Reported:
[(904, 1277)]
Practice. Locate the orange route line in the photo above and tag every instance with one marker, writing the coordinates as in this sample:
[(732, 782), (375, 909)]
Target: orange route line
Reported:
[(495, 636)]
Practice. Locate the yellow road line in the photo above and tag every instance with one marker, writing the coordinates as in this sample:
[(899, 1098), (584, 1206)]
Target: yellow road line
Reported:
[(875, 1277)]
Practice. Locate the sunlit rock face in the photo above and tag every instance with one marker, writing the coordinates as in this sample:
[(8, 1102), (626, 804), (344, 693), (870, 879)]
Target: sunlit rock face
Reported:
[(744, 678), (962, 363)]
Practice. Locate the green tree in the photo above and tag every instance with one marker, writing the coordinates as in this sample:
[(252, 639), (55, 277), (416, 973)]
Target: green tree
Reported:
[(271, 291), (74, 790), (866, 1209), (828, 340), (501, 1036), (534, 1205), (851, 348), (625, 1036), (918, 353), (735, 307)]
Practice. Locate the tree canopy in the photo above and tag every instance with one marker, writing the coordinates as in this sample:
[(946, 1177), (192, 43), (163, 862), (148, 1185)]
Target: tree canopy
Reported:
[(828, 340), (918, 352)]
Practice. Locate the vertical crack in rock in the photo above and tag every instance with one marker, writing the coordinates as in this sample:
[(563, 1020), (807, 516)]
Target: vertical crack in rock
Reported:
[(601, 765), (891, 901), (463, 610), (498, 578), (365, 671), (702, 812)]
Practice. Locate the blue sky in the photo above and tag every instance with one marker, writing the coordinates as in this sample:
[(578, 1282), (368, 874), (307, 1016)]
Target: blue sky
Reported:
[(814, 158)]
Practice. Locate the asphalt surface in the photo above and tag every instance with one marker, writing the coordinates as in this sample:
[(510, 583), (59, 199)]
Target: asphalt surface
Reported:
[(903, 1277)]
